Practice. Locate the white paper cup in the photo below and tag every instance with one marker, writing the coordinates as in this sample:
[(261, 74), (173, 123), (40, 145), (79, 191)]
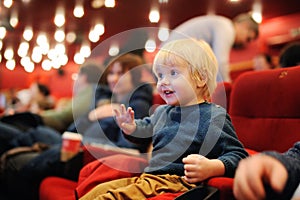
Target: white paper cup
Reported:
[(71, 143)]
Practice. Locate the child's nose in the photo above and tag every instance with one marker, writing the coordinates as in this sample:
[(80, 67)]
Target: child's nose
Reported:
[(164, 81)]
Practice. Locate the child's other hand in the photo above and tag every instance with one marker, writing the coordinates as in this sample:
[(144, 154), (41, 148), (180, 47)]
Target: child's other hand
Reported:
[(195, 168), (198, 168), (125, 119)]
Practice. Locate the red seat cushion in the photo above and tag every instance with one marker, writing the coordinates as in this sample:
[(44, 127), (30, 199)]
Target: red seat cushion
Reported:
[(54, 188), (108, 168)]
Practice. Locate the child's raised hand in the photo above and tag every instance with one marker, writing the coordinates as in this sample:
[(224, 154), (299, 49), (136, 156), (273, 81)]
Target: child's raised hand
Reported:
[(125, 119)]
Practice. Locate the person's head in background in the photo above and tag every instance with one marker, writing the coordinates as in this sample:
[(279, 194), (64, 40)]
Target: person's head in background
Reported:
[(290, 55), (89, 74), (246, 29), (41, 95), (263, 61), (186, 70), (123, 74)]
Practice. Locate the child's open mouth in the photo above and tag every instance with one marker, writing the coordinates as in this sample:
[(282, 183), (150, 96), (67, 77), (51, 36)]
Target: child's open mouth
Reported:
[(168, 92)]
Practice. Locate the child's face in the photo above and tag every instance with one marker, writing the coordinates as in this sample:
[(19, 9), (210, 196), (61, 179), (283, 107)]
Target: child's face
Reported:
[(175, 85)]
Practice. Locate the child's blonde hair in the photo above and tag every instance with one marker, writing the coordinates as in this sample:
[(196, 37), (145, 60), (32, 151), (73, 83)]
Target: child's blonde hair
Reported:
[(197, 55)]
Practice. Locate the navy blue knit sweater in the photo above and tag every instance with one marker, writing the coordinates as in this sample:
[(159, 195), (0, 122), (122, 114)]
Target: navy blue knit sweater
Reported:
[(176, 132)]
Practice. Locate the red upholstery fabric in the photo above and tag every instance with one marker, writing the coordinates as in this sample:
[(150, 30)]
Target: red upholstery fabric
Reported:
[(264, 108), (55, 188), (98, 171), (91, 153), (235, 74), (221, 95), (108, 168)]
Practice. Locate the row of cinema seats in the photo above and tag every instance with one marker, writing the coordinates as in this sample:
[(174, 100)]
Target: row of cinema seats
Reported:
[(264, 108)]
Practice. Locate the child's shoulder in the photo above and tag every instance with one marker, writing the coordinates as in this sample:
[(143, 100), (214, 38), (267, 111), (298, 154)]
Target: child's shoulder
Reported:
[(212, 107)]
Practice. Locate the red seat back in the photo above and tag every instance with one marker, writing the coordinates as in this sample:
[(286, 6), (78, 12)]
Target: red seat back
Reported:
[(221, 95), (265, 108)]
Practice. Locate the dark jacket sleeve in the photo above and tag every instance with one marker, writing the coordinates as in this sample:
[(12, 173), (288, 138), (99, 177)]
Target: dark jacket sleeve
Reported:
[(291, 160), (141, 101)]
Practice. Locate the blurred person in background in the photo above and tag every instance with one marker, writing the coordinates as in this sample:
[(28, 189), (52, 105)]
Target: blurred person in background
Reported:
[(290, 55), (221, 34), (263, 61), (84, 90)]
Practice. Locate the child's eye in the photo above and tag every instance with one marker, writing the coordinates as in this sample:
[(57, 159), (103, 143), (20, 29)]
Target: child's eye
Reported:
[(173, 73), (159, 75)]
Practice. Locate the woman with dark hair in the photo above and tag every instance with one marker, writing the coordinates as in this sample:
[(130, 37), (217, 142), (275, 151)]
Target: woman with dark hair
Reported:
[(123, 76)]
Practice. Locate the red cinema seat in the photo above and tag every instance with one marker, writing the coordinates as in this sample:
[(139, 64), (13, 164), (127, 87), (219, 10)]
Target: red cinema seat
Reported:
[(265, 110)]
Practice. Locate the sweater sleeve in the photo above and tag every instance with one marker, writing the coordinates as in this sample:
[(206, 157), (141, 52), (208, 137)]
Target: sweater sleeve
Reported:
[(220, 141), (232, 149), (144, 127)]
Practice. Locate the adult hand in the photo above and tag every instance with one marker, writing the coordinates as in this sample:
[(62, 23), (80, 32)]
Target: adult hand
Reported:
[(256, 170), (102, 111)]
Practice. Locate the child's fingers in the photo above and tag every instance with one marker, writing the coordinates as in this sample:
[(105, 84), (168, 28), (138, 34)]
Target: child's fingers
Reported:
[(123, 109), (117, 113), (193, 158), (130, 112)]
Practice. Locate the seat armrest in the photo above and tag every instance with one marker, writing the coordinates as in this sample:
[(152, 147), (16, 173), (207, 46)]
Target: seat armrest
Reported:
[(203, 192)]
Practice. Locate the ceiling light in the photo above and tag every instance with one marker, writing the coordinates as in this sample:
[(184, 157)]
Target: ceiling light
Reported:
[(154, 16), (93, 36), (163, 34), (71, 37), (9, 53), (59, 19), (59, 35), (41, 38), (97, 3), (63, 59), (11, 64), (59, 49), (14, 18), (113, 50), (257, 11), (150, 46), (7, 3), (109, 3), (99, 28), (79, 59), (2, 32), (28, 33), (78, 9), (29, 67), (25, 60), (163, 1), (23, 49), (85, 50), (36, 55), (26, 1), (46, 65)]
